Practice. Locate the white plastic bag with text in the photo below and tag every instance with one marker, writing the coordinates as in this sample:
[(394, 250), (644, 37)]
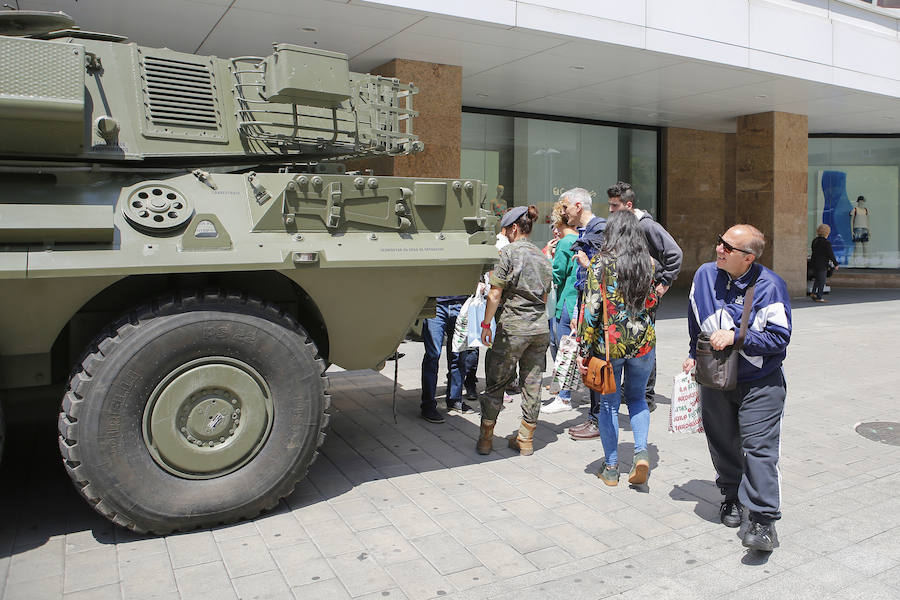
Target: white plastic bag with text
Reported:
[(565, 369), (460, 339), (475, 318), (684, 416)]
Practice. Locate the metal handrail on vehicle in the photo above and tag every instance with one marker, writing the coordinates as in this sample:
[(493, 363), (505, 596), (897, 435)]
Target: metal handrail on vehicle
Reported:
[(377, 118)]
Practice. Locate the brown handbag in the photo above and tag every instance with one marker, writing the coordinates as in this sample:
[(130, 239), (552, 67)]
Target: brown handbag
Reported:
[(600, 376)]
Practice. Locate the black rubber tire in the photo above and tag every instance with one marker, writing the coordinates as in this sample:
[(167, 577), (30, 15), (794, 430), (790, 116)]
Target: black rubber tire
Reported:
[(100, 424)]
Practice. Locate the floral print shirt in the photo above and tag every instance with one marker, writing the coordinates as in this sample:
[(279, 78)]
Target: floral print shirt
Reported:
[(630, 334)]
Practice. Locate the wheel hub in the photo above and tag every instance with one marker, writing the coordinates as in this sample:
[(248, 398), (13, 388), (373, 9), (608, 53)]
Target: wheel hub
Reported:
[(208, 418)]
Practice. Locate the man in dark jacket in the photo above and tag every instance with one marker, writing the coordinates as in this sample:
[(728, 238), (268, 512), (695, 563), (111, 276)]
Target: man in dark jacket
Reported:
[(577, 205), (663, 248), (743, 425)]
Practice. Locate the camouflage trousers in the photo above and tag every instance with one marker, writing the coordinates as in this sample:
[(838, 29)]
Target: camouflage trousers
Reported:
[(529, 352)]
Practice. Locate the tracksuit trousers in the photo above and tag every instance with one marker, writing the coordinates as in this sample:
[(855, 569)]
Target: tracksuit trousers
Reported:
[(743, 431)]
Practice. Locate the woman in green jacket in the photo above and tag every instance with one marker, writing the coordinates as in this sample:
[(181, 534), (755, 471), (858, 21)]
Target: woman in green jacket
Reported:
[(564, 271)]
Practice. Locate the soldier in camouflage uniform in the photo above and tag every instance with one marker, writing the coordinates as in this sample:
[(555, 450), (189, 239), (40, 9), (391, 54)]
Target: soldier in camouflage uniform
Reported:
[(521, 282)]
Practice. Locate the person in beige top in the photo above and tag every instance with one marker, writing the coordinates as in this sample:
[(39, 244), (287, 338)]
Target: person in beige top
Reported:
[(859, 223)]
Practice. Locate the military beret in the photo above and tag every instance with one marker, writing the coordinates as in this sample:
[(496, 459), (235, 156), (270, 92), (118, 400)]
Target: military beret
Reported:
[(513, 215)]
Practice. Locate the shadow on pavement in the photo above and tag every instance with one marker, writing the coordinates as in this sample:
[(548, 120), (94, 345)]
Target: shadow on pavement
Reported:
[(704, 493), (39, 500), (363, 444)]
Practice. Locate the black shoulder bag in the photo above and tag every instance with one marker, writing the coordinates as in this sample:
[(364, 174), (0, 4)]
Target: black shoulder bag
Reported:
[(718, 369)]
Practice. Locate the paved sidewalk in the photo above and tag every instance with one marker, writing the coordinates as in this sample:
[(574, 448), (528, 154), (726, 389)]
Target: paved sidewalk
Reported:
[(409, 510)]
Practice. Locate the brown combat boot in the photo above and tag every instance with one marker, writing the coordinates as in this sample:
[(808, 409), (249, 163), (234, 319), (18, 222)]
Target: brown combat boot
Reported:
[(485, 437), (522, 440)]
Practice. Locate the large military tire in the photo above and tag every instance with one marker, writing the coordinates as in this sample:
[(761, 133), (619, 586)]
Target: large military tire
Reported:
[(195, 411)]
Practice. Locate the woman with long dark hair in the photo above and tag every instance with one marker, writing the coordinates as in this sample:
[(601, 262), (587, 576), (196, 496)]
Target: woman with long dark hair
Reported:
[(625, 269), (519, 287)]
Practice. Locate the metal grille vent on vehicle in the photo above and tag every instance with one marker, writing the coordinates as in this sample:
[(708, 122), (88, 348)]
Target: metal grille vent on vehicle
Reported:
[(180, 99), (157, 209), (180, 93)]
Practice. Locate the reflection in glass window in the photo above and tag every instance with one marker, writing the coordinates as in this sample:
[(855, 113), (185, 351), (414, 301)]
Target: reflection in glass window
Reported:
[(532, 161), (854, 187), (487, 155)]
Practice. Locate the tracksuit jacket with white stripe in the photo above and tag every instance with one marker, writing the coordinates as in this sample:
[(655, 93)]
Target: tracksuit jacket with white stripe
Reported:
[(716, 302)]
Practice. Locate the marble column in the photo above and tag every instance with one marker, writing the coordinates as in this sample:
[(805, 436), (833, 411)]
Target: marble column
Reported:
[(771, 162), (439, 124), (698, 191)]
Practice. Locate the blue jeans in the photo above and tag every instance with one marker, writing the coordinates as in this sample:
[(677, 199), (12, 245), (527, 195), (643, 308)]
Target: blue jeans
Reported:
[(469, 360), (551, 323), (462, 365), (562, 329), (637, 371)]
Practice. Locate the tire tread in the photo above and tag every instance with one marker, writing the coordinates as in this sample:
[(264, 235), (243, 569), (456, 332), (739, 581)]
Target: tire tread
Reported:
[(128, 325)]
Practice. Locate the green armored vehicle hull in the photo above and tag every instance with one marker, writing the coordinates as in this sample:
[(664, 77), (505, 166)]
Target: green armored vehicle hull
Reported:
[(181, 253)]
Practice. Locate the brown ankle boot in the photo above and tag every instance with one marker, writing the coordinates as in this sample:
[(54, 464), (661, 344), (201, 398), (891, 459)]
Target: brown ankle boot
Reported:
[(522, 440), (485, 437)]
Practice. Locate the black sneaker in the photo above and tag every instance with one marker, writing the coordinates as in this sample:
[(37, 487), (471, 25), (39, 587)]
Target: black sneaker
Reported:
[(651, 405), (459, 407), (761, 536), (432, 415), (730, 513), (472, 394)]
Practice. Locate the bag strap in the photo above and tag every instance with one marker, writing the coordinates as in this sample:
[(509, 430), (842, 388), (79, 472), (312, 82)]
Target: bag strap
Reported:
[(605, 324), (745, 315)]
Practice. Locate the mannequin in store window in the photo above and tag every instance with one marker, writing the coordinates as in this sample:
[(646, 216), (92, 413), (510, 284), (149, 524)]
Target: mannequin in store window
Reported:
[(498, 204), (859, 222)]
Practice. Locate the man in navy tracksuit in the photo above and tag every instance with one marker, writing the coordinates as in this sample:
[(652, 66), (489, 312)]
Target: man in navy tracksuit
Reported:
[(743, 426)]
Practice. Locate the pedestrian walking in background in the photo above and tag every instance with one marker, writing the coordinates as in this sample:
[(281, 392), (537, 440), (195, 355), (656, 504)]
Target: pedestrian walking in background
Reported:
[(743, 425), (822, 259), (519, 287), (624, 271)]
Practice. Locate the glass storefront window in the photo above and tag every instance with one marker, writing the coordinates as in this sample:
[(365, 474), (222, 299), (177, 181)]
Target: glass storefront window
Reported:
[(487, 155), (864, 234), (532, 161)]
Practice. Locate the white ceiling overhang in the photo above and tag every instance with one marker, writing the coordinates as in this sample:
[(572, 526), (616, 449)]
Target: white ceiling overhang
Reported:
[(519, 62)]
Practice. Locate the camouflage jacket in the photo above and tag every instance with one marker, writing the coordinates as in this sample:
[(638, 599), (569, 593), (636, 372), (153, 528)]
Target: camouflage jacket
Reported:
[(525, 276)]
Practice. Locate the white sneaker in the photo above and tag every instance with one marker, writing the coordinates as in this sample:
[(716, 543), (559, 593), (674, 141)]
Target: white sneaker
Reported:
[(558, 405)]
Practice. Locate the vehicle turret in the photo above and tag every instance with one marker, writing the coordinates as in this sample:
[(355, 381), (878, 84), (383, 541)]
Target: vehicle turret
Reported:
[(68, 94)]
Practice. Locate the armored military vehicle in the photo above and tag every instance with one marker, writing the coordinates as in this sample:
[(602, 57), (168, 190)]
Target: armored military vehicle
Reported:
[(182, 256)]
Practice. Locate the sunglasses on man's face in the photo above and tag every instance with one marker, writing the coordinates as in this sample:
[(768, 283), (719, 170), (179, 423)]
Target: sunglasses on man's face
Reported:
[(728, 247)]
